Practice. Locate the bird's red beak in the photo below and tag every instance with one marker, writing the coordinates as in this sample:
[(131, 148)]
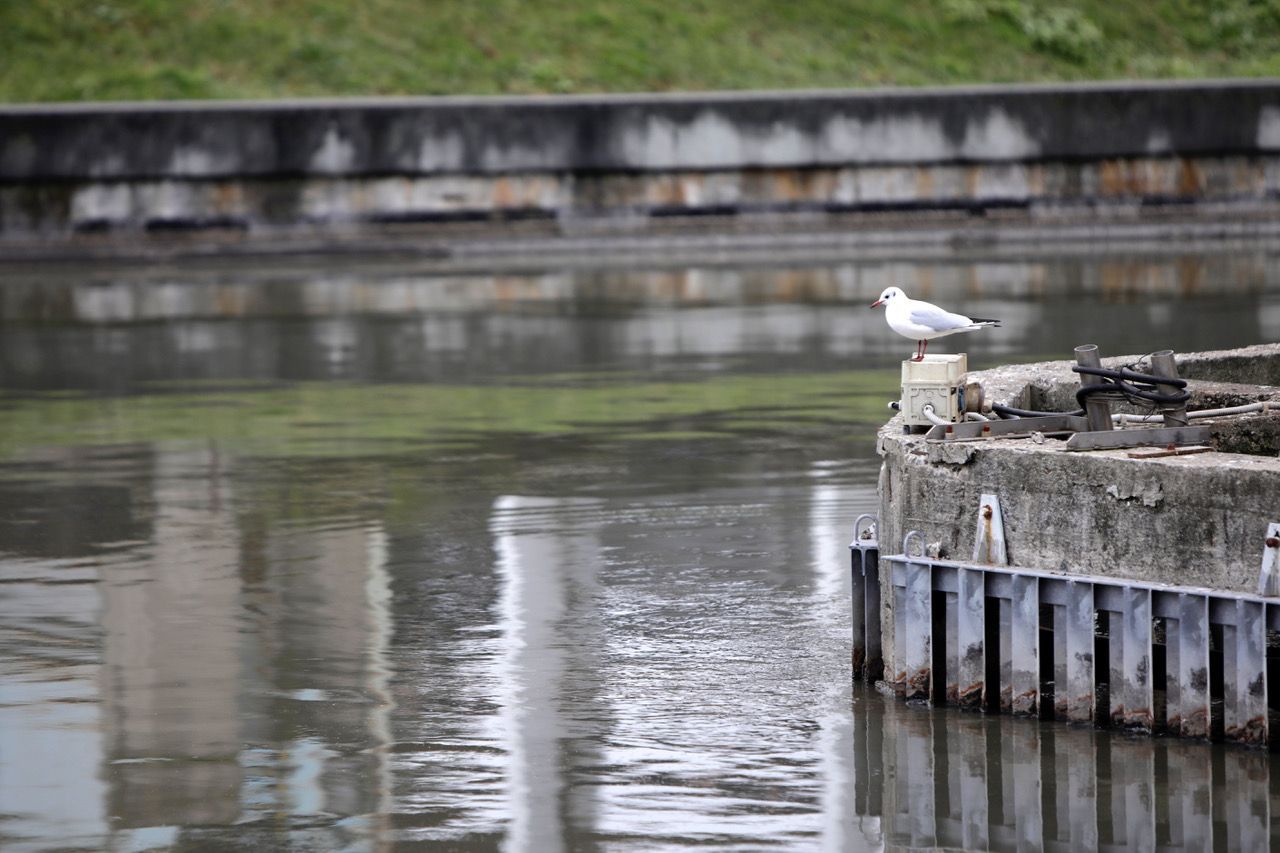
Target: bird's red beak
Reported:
[(877, 303)]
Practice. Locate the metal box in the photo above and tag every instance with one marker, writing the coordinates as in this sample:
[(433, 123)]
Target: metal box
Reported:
[(936, 381)]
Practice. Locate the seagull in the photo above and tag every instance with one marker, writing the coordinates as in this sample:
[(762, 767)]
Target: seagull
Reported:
[(923, 321)]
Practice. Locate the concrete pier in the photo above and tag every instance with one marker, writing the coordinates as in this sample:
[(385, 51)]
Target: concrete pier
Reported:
[(1143, 567)]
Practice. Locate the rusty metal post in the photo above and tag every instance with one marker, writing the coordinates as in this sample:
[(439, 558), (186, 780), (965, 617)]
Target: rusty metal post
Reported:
[(1097, 411), (1163, 364)]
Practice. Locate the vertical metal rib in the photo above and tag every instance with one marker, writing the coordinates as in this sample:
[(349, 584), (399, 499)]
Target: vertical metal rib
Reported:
[(972, 636), (951, 648), (1079, 652), (900, 624), (1173, 679), (1245, 702), (1135, 695), (1193, 666), (874, 667), (918, 662), (1025, 645)]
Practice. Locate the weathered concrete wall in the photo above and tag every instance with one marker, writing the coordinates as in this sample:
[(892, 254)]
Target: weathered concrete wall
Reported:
[(136, 167), (1196, 520)]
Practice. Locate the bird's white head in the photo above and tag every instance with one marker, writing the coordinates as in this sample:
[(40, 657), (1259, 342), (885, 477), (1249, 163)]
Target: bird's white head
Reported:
[(890, 294)]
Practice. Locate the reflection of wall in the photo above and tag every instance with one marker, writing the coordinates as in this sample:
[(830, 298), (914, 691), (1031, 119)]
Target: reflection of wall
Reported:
[(970, 781), (399, 326), (322, 644), (172, 675)]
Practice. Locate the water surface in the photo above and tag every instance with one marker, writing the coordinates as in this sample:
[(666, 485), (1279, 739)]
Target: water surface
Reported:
[(373, 555)]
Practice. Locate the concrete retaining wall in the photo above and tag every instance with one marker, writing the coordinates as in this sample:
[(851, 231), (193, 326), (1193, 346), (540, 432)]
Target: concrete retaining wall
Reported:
[(132, 167)]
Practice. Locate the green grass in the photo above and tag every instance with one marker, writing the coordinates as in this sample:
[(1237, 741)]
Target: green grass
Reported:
[(58, 50)]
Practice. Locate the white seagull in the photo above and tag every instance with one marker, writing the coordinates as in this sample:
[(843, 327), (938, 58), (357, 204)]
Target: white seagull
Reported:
[(923, 321)]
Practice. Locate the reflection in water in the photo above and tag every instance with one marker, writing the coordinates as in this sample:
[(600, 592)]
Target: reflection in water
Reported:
[(975, 782), (111, 330), (546, 564), (262, 620)]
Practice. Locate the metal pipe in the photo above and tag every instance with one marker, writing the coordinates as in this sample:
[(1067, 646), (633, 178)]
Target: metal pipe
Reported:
[(1245, 409), (928, 412), (1097, 410), (1163, 364)]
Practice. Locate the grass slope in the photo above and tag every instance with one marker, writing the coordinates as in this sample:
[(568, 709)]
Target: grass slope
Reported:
[(57, 50)]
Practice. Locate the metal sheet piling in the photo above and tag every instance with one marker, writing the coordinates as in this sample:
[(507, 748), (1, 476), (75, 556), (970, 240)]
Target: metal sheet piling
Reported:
[(947, 633)]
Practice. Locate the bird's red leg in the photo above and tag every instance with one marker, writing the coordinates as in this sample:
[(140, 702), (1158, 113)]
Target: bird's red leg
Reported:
[(925, 349), (919, 352)]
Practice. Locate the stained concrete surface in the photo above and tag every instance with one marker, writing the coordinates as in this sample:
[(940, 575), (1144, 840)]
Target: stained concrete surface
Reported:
[(1195, 520)]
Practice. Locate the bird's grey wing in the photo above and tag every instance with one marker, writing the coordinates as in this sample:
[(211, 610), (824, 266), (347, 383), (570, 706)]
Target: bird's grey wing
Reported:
[(926, 314)]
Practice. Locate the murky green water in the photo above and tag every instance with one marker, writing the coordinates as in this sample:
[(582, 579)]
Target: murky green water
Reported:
[(361, 556)]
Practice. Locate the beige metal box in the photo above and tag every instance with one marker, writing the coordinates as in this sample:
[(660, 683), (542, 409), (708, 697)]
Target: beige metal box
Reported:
[(936, 381)]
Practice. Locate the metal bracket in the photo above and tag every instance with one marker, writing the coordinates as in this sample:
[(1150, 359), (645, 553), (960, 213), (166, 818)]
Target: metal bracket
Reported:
[(1157, 436), (988, 542), (1015, 428), (1269, 575), (864, 536)]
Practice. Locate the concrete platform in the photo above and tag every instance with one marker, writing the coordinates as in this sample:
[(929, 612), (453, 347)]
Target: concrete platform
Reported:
[(1187, 520), (1132, 573)]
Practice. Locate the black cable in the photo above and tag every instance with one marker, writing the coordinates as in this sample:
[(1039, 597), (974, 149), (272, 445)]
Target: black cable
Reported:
[(1119, 385), (1011, 412)]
